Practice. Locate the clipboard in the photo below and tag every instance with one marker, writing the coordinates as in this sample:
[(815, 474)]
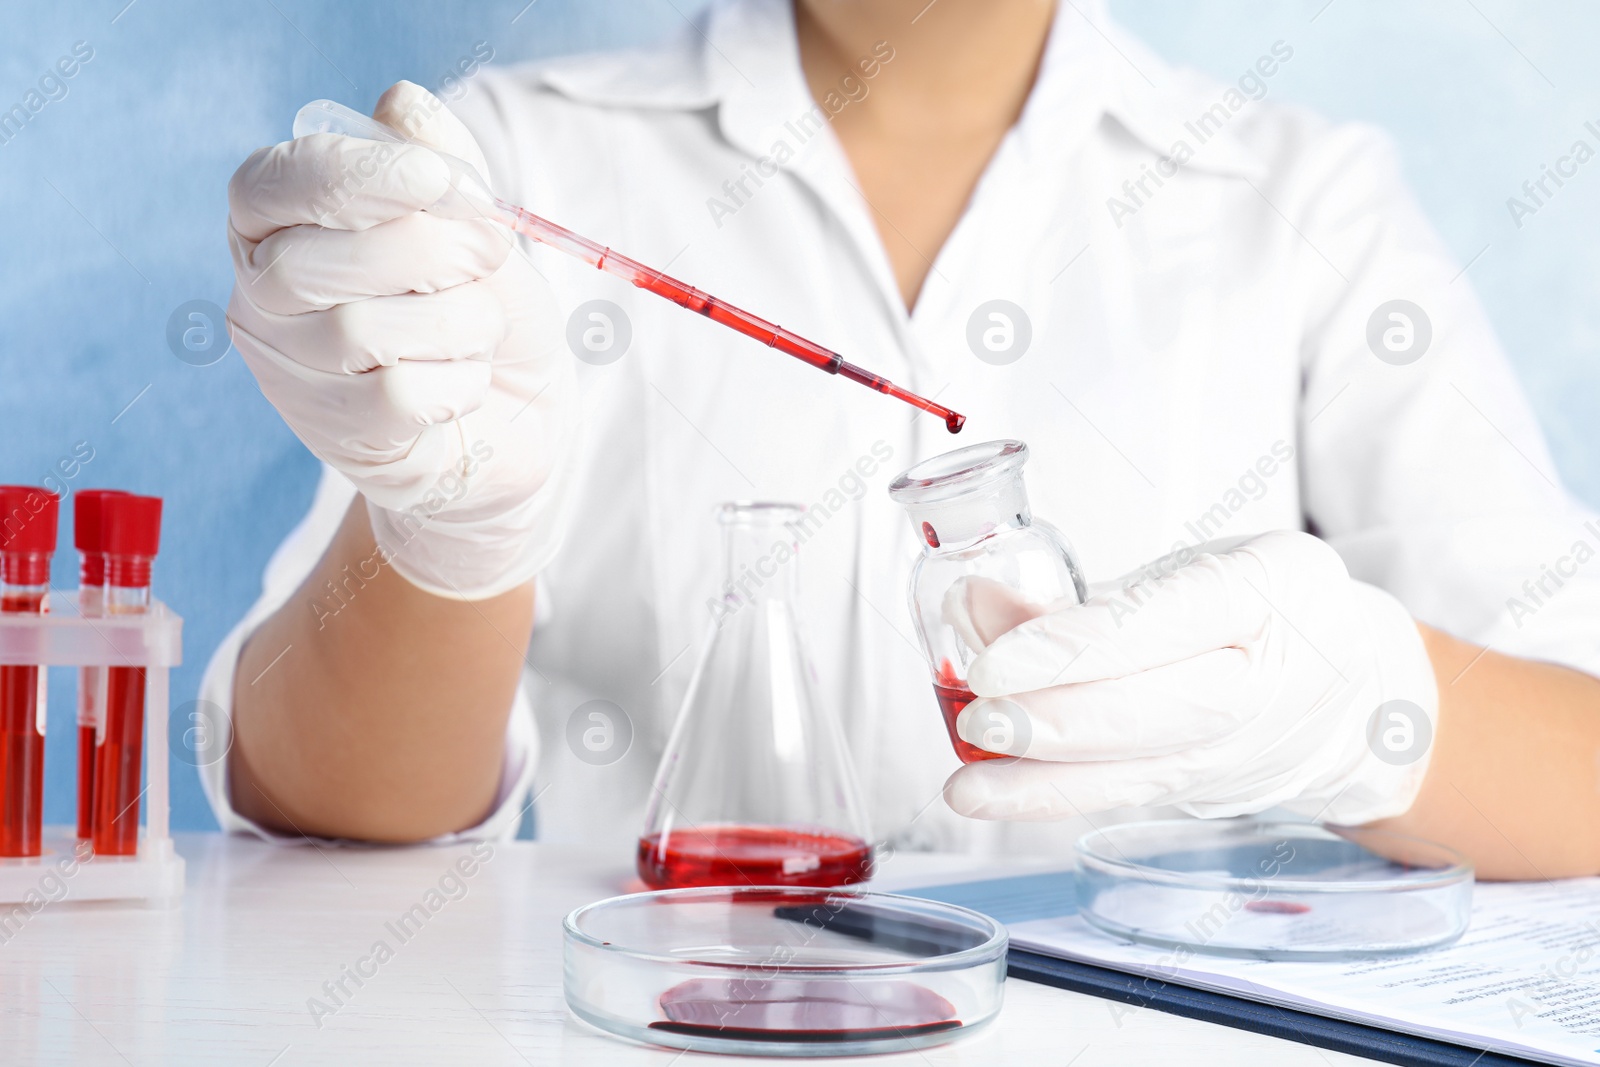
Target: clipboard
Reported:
[(1018, 898), (1141, 991), (1338, 1035)]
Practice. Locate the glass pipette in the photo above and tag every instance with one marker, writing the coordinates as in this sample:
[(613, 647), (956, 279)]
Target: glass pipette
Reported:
[(469, 197)]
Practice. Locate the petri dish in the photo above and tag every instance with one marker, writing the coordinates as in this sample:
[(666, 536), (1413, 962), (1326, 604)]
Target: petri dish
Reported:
[(783, 971), (1272, 890)]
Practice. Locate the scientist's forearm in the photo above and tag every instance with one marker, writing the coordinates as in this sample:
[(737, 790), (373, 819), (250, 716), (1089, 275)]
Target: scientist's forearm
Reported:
[(385, 721), (1515, 778)]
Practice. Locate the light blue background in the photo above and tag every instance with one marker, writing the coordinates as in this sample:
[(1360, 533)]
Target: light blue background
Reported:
[(113, 199)]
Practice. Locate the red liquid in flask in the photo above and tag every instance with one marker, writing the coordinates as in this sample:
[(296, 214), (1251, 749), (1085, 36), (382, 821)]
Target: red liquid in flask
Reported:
[(798, 1009), (21, 748), (752, 855), (953, 697)]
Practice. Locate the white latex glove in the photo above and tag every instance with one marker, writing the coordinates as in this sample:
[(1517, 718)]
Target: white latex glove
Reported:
[(1237, 681), (422, 357)]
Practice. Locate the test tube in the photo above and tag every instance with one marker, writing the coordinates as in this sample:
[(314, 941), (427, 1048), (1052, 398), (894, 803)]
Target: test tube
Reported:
[(130, 533), (27, 541), (91, 680)]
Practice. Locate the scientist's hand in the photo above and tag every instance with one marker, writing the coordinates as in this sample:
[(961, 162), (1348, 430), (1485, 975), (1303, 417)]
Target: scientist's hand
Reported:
[(422, 357), (1242, 679)]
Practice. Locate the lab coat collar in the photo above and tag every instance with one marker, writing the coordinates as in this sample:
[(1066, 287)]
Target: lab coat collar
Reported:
[(736, 52), (1176, 116), (1095, 69), (672, 75), (741, 56)]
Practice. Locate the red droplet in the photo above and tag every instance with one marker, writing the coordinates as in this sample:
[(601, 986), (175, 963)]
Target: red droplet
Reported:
[(929, 536)]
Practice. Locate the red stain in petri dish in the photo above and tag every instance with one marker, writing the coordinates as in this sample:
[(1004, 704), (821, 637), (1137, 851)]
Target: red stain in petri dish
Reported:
[(803, 1010), (1277, 907)]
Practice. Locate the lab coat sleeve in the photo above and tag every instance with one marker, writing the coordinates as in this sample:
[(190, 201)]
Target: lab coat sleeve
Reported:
[(288, 567), (1421, 459)]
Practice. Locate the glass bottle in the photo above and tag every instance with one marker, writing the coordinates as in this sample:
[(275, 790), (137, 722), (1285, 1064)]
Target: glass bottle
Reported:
[(970, 510), (755, 786)]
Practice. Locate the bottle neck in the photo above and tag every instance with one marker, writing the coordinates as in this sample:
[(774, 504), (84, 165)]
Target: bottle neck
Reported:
[(952, 525)]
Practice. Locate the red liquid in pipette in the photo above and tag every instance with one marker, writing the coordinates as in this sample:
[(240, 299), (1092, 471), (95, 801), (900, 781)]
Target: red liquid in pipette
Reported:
[(717, 310), (954, 697), (799, 1009), (752, 855), (21, 748)]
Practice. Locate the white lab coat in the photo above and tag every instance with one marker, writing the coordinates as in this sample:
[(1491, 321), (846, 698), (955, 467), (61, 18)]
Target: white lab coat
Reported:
[(1199, 366)]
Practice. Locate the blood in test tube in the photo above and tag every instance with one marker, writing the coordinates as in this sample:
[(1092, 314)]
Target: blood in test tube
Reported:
[(27, 541), (815, 1011), (130, 534), (953, 697), (734, 854), (91, 680)]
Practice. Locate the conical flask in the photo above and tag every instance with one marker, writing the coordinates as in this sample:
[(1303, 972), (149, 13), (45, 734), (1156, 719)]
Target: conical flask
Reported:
[(755, 786)]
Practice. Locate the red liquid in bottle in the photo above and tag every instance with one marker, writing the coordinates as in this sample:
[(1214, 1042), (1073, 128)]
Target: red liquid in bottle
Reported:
[(752, 855), (798, 1009), (116, 773), (21, 749), (953, 697)]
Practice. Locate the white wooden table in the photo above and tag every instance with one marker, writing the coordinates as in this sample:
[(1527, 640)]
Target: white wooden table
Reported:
[(228, 977)]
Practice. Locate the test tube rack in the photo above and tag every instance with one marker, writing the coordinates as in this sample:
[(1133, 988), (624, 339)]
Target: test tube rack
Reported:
[(66, 870)]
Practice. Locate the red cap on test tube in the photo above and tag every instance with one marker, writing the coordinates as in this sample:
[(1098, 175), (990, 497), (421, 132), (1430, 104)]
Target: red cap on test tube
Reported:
[(27, 534), (86, 536), (130, 535)]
